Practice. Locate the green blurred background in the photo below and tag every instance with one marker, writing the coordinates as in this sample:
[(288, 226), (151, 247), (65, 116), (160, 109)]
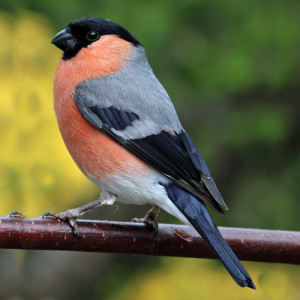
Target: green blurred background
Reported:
[(232, 69)]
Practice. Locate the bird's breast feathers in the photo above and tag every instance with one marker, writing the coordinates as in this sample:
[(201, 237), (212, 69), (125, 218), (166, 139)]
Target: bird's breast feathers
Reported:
[(96, 154), (106, 56)]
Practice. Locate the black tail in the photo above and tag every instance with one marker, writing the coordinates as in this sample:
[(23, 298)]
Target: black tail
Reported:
[(196, 212)]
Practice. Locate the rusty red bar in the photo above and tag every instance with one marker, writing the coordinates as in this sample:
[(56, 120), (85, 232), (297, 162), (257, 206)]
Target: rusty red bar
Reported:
[(171, 240)]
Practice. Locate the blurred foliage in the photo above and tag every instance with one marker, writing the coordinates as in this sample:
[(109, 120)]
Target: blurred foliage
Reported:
[(183, 279), (36, 172), (233, 72)]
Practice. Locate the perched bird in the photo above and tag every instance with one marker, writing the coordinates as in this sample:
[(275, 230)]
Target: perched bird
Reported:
[(123, 132)]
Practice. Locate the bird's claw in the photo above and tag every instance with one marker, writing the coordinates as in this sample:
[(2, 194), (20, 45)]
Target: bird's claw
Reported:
[(150, 219), (16, 214), (49, 214), (152, 224), (67, 216)]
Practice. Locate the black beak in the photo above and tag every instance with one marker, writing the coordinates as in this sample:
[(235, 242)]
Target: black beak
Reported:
[(64, 40)]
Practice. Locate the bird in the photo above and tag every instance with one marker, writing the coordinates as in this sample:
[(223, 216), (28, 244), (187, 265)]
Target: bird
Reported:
[(123, 132)]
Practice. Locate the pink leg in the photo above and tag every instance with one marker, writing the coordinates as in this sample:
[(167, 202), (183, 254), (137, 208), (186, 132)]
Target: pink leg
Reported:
[(71, 215)]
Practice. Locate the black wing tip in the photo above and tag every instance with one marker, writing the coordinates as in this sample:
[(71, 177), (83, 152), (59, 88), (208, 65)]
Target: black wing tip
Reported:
[(213, 191), (221, 211), (244, 280), (251, 284), (248, 283)]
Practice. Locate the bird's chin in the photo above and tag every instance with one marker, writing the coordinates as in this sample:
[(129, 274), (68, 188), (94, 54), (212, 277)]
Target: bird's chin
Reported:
[(69, 45), (66, 45)]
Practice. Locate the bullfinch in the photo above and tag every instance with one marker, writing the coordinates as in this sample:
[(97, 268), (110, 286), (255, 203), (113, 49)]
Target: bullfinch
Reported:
[(122, 130)]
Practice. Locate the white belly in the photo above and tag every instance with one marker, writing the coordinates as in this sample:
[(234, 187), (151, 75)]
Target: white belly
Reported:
[(142, 190)]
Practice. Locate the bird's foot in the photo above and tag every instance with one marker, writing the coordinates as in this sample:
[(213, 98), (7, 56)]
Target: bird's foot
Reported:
[(150, 219), (16, 214), (71, 215), (152, 224)]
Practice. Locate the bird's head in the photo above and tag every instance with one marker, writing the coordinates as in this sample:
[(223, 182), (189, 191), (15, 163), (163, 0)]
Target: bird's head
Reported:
[(84, 32)]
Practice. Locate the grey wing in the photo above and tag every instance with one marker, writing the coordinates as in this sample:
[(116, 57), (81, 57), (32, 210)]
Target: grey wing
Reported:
[(136, 91)]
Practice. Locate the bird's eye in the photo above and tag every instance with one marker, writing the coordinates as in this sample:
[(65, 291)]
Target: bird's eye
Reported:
[(93, 35)]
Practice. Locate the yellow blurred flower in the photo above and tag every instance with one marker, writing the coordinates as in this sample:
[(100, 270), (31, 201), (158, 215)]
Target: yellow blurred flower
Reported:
[(36, 172)]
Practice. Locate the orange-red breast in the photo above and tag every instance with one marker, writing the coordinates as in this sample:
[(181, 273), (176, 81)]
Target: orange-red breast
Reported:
[(122, 130)]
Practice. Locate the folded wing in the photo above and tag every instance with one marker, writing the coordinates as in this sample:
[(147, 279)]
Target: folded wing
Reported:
[(153, 133)]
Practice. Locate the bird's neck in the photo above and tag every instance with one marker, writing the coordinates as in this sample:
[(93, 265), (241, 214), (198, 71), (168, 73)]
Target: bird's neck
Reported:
[(104, 57)]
